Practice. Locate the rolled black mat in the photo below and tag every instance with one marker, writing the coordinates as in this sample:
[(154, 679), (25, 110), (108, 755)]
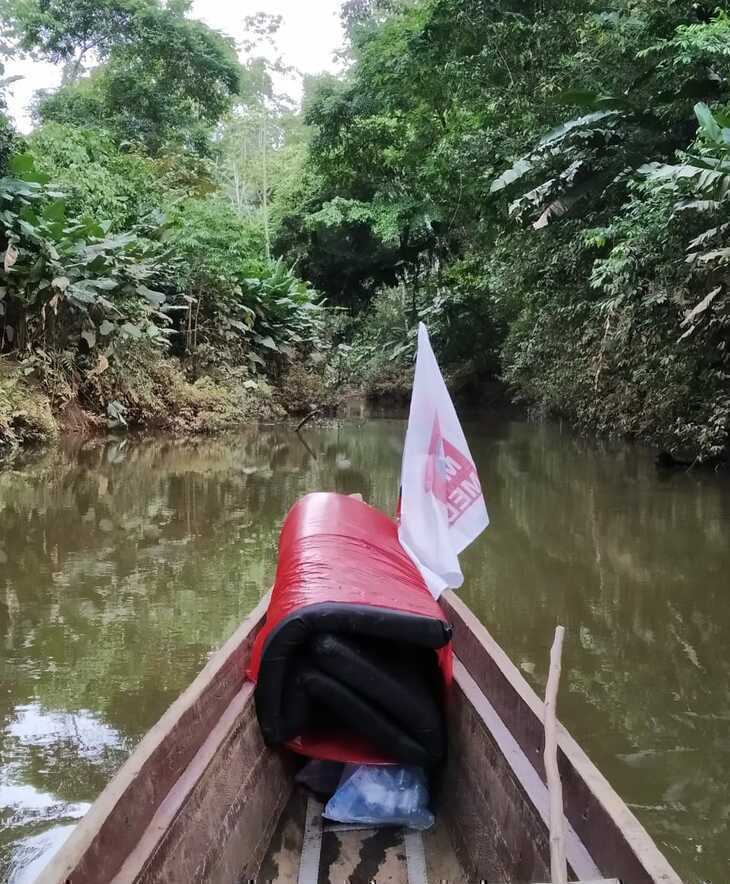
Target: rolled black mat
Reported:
[(388, 690)]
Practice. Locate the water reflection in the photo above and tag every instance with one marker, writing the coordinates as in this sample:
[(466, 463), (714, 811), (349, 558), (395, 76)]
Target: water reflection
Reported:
[(636, 568), (122, 564), (40, 748)]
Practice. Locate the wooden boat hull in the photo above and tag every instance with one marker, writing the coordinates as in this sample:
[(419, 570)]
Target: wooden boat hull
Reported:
[(603, 837), (201, 797)]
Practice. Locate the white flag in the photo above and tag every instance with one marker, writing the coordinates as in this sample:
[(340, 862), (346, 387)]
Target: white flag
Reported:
[(442, 507)]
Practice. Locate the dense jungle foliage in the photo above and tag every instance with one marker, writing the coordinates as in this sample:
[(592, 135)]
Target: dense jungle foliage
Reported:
[(134, 289), (544, 183)]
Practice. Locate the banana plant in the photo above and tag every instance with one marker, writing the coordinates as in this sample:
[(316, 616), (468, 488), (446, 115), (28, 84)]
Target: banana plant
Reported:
[(65, 279)]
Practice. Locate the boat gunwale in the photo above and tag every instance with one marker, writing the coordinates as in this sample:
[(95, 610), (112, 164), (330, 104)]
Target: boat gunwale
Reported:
[(117, 821), (525, 778), (592, 806), (190, 718)]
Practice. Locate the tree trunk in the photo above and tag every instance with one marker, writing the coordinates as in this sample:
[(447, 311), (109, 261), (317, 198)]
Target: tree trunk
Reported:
[(265, 195)]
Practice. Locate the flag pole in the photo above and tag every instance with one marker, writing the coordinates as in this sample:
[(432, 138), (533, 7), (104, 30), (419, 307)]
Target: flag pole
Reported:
[(558, 865)]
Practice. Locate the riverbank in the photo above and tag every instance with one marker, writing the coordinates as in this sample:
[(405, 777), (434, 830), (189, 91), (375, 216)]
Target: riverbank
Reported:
[(158, 394), (153, 395), (389, 385)]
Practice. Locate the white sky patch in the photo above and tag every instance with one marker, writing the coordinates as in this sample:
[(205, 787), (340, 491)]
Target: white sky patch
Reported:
[(35, 75), (309, 37)]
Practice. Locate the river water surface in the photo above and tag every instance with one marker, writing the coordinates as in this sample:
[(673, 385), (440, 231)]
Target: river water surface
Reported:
[(123, 564)]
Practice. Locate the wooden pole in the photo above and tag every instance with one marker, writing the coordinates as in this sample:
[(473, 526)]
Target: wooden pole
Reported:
[(558, 865)]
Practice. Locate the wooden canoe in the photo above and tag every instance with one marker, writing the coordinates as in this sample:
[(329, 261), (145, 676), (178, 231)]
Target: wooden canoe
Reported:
[(203, 800)]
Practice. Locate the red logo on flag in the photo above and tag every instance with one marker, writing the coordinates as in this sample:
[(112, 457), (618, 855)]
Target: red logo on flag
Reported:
[(450, 476)]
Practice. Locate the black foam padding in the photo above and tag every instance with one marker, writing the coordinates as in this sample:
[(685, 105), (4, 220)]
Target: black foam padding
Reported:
[(397, 681), (363, 717), (289, 646)]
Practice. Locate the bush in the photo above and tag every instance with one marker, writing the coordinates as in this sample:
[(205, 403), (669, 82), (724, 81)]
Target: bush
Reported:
[(303, 389), (25, 413), (98, 180)]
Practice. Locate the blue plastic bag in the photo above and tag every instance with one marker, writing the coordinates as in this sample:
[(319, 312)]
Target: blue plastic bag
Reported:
[(382, 795)]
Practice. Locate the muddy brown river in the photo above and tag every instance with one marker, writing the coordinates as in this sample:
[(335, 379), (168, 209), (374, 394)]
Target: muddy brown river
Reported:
[(124, 563)]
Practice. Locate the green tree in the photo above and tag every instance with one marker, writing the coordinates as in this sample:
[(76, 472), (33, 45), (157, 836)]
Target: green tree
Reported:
[(161, 77), (260, 126), (485, 154)]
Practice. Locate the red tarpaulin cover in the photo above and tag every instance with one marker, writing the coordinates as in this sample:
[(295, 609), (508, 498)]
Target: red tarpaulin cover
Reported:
[(335, 548)]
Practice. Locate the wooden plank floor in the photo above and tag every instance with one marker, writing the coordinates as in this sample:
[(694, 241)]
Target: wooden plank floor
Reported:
[(354, 855)]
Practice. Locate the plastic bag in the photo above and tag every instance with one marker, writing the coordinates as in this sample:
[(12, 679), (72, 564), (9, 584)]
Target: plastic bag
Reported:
[(382, 795)]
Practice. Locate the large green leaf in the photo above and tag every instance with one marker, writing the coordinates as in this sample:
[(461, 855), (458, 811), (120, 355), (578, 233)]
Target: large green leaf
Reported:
[(129, 330), (592, 100), (30, 230), (267, 341), (708, 123), (14, 188), (23, 166), (21, 163), (55, 210), (559, 132), (78, 292), (517, 171), (707, 180), (154, 298), (111, 244)]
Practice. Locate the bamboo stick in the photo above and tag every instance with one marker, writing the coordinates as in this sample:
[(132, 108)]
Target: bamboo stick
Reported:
[(558, 865)]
